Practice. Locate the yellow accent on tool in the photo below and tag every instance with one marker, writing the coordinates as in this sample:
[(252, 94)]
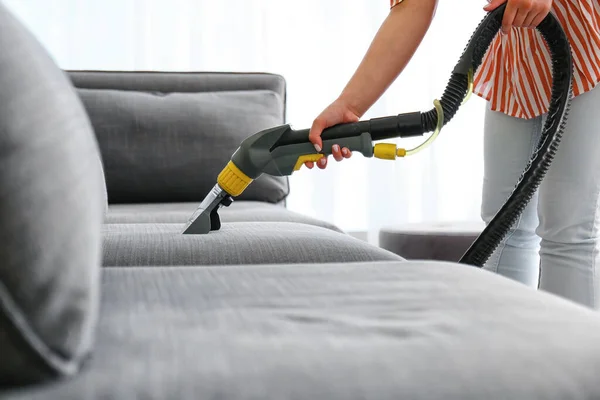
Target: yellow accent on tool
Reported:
[(440, 119), (387, 151), (438, 128), (307, 158), (470, 88), (232, 180)]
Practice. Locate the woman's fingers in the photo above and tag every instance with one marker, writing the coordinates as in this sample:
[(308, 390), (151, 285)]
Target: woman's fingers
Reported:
[(543, 11), (337, 153), (521, 17), (510, 14), (493, 4), (521, 13), (322, 163), (538, 19), (528, 23), (314, 135)]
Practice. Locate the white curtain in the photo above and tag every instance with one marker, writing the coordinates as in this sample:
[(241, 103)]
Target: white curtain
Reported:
[(316, 45)]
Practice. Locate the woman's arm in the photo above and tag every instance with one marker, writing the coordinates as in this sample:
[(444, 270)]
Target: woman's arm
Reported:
[(390, 51), (392, 48)]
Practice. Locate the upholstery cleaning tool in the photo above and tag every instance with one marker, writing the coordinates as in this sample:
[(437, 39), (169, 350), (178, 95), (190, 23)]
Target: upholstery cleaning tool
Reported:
[(281, 150)]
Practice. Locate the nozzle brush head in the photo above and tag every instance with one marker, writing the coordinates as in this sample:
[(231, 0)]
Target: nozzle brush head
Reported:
[(206, 217)]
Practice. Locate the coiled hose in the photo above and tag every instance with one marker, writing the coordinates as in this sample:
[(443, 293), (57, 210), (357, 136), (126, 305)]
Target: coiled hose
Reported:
[(542, 157), (457, 89)]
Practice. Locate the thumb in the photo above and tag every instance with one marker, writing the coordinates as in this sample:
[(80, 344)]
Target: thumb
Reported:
[(315, 133), (493, 4)]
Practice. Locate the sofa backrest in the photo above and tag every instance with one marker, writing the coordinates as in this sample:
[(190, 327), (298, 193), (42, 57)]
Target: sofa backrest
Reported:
[(165, 136)]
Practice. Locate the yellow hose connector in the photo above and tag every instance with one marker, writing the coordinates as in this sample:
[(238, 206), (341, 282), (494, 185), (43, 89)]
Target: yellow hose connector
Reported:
[(233, 180), (387, 151)]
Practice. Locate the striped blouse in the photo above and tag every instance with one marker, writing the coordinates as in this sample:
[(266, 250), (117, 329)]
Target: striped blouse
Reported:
[(515, 76)]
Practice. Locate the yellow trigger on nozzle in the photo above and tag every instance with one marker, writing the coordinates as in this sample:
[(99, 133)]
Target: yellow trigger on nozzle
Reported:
[(306, 158)]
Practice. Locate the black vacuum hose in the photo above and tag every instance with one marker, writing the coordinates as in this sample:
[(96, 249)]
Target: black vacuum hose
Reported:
[(416, 124), (456, 90)]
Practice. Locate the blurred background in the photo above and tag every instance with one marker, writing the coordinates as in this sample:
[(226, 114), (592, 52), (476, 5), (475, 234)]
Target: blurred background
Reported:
[(316, 45)]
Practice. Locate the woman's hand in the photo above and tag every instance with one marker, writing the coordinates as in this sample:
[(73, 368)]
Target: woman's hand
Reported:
[(521, 13), (337, 113), (390, 51)]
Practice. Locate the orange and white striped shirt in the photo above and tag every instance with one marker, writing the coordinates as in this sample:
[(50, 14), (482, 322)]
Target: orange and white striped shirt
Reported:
[(515, 75)]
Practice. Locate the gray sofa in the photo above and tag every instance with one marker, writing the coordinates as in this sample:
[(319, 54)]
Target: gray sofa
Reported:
[(163, 138), (369, 326)]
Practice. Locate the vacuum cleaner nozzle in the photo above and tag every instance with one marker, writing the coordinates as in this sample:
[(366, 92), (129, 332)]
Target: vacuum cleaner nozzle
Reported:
[(206, 217)]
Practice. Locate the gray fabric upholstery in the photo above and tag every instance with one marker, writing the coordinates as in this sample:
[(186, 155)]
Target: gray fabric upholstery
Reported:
[(238, 211), (235, 243), (51, 208), (430, 241), (359, 331), (170, 147)]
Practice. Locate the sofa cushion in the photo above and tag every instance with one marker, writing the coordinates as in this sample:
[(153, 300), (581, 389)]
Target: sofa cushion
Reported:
[(51, 208), (170, 147), (238, 211), (414, 330), (235, 243)]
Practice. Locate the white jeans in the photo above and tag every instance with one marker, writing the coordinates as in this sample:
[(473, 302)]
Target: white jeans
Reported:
[(555, 243)]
